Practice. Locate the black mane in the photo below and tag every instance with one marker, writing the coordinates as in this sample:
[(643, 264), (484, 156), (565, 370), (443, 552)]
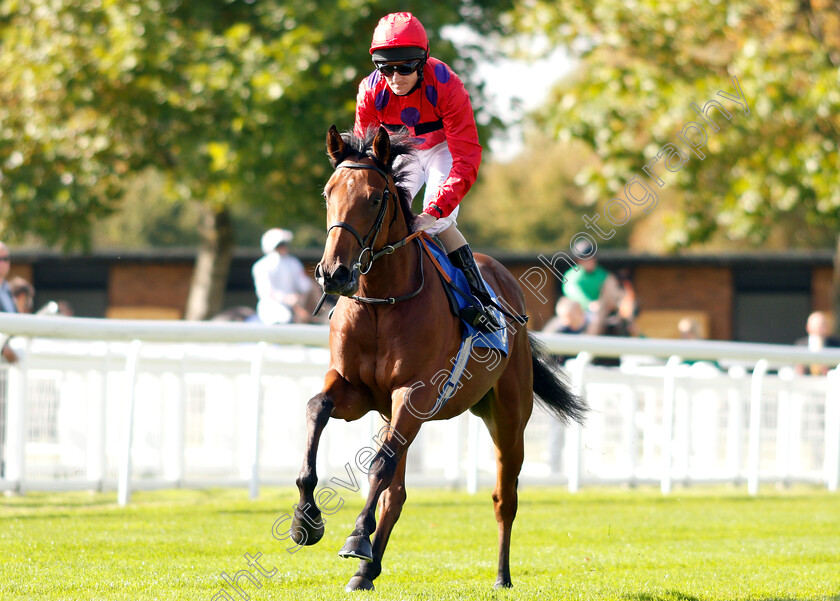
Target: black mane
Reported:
[(401, 145)]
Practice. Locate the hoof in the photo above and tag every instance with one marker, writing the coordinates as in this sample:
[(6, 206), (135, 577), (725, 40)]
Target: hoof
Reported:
[(303, 532), (358, 546), (503, 584), (359, 583)]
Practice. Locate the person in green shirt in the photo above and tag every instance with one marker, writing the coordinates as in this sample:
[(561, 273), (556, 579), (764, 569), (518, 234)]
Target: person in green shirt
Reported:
[(596, 290)]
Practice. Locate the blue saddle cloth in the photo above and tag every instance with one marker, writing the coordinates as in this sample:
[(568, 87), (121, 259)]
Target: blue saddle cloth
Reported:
[(495, 340)]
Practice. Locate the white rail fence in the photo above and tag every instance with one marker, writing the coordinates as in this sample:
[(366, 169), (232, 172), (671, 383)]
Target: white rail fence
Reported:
[(103, 404)]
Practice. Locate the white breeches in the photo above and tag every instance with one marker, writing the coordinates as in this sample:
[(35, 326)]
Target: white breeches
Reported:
[(430, 167)]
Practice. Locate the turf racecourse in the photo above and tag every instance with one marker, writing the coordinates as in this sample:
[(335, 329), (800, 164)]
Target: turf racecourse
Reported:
[(633, 545)]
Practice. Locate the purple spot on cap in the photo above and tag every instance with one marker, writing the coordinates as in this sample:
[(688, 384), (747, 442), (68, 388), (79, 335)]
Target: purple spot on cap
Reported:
[(410, 116), (441, 73), (382, 99), (431, 94)]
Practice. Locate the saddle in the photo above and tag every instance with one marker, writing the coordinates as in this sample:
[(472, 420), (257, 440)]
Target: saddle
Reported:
[(459, 298)]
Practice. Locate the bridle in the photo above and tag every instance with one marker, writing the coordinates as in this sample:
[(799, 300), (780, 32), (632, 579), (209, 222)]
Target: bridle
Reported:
[(367, 255)]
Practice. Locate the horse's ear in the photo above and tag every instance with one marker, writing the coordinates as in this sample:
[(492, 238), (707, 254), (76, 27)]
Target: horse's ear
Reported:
[(382, 146), (335, 145)]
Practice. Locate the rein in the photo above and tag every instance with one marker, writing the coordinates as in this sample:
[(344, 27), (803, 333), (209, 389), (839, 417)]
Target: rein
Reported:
[(367, 255)]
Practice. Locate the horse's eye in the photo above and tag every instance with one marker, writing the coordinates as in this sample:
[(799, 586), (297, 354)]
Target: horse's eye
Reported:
[(376, 199)]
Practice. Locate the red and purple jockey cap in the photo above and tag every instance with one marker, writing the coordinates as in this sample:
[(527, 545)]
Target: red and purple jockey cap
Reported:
[(399, 37)]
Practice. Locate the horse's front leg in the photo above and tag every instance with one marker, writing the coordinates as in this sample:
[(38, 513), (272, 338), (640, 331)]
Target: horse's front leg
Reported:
[(390, 507), (338, 397), (307, 524), (394, 441)]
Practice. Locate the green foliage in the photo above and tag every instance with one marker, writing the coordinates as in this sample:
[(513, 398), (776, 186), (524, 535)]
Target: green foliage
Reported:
[(229, 101), (533, 201), (699, 543), (644, 63)]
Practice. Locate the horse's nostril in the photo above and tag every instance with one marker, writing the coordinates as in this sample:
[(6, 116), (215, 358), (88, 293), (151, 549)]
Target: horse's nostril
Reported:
[(341, 275), (319, 273)]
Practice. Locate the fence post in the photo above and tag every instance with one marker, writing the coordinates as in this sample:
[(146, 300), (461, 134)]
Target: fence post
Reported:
[(669, 394), (16, 423), (754, 452), (832, 430), (176, 439), (97, 383), (631, 435), (573, 441), (124, 483), (257, 363), (735, 429), (784, 431)]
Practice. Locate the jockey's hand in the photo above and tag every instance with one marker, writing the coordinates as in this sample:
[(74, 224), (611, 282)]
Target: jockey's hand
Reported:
[(423, 221)]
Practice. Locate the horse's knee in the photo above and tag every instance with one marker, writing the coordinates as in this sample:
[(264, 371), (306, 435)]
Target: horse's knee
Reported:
[(505, 506), (383, 467), (318, 409)]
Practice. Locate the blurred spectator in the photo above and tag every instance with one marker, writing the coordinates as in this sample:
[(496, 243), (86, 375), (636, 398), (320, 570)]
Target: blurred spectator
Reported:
[(819, 337), (281, 283), (623, 321), (7, 299), (689, 329), (237, 314), (597, 290), (23, 293), (65, 308), (569, 318)]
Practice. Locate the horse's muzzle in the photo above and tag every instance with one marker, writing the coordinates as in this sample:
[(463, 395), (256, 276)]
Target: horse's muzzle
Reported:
[(342, 280)]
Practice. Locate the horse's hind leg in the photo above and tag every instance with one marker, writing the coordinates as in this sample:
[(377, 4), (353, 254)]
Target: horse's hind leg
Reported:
[(506, 416), (390, 506)]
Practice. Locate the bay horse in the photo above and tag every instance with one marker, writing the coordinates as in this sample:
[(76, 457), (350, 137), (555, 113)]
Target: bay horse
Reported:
[(391, 332)]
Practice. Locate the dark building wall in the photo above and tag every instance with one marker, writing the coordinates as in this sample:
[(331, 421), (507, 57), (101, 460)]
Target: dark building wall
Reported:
[(690, 288), (150, 284), (821, 288), (731, 291)]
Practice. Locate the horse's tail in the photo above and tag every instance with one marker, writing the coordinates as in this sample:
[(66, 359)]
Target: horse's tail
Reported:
[(552, 389)]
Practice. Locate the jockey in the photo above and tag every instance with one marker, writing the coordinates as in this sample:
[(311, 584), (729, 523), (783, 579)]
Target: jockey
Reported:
[(411, 90)]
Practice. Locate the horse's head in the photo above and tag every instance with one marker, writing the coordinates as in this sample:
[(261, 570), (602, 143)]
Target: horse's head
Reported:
[(362, 202)]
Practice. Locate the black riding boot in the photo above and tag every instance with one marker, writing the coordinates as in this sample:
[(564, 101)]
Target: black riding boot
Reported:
[(480, 317)]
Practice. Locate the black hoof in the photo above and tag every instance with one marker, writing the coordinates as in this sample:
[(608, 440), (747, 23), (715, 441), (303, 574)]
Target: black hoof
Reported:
[(359, 583), (358, 546), (303, 531), (503, 584)]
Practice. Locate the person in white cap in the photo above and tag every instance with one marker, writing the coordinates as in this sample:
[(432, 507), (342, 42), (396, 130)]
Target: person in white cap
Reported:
[(280, 281)]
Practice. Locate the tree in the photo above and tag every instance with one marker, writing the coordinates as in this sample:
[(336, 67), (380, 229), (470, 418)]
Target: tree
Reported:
[(773, 160), (229, 101), (533, 200)]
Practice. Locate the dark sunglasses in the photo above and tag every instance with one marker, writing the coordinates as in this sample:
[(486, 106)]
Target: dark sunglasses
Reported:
[(406, 68)]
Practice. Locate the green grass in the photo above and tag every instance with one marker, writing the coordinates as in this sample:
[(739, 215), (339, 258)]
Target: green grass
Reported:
[(633, 545)]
